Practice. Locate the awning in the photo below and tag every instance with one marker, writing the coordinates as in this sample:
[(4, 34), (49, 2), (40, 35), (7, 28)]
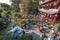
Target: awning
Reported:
[(50, 11), (16, 31)]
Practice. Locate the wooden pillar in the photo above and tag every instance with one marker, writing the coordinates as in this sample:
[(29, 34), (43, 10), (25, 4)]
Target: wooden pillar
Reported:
[(53, 20), (47, 17)]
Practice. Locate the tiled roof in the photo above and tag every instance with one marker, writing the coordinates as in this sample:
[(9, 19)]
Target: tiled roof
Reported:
[(50, 11), (46, 1)]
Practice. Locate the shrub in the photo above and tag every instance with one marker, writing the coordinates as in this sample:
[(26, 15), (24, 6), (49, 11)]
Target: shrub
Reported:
[(5, 37), (10, 37), (56, 27), (26, 37)]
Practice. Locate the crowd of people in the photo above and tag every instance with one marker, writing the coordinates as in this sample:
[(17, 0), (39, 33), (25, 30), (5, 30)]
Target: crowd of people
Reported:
[(46, 30)]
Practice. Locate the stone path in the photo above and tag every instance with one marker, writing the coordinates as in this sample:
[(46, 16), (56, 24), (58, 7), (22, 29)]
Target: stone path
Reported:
[(34, 32)]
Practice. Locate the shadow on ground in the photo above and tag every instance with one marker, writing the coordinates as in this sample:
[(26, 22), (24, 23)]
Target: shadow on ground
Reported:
[(37, 37)]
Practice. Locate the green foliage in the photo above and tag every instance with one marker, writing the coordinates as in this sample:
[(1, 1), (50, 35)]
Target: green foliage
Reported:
[(4, 14), (33, 5), (3, 20), (13, 14), (15, 5), (26, 37), (5, 7), (6, 37), (56, 26), (10, 37), (15, 1), (16, 15), (22, 23)]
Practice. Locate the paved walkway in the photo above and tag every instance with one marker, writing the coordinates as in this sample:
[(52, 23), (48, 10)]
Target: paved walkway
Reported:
[(34, 32)]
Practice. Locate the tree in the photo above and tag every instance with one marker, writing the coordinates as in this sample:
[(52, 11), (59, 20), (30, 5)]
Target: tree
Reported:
[(15, 5), (56, 27), (16, 14), (4, 8), (0, 13), (33, 6), (10, 37), (15, 1)]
